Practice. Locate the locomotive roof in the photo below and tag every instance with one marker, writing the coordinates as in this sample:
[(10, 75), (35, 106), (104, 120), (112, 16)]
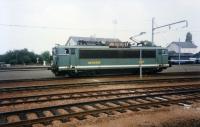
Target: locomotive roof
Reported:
[(91, 39), (107, 47)]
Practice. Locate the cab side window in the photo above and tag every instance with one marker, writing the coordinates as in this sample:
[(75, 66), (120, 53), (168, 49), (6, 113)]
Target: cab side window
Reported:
[(67, 51)]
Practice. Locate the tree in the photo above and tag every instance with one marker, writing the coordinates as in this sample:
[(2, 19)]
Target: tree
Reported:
[(19, 57), (46, 56), (188, 37), (24, 56), (1, 58)]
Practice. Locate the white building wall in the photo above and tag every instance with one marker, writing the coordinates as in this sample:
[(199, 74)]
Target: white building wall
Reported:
[(189, 50), (173, 47)]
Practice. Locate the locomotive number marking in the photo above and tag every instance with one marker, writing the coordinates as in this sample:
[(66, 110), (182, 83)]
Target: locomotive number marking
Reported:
[(94, 62), (141, 61)]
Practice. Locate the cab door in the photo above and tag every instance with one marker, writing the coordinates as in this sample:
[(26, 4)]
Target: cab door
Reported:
[(66, 57), (73, 57), (159, 56), (164, 56)]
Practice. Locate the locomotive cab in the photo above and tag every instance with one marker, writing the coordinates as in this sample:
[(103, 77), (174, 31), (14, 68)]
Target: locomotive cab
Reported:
[(61, 57), (162, 59)]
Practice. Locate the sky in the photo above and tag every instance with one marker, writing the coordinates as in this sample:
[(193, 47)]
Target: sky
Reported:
[(40, 24)]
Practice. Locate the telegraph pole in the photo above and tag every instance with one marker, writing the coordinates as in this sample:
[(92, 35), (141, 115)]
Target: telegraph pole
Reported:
[(179, 53), (140, 63), (167, 25), (152, 31)]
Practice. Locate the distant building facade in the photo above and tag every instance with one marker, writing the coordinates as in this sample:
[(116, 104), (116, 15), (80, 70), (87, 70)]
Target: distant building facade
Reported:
[(182, 52), (182, 47)]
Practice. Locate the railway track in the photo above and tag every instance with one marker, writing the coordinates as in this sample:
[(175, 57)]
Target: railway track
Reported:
[(92, 94), (63, 113), (96, 84), (68, 78)]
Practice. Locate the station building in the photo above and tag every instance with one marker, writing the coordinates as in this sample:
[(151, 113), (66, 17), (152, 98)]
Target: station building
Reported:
[(182, 47), (182, 51)]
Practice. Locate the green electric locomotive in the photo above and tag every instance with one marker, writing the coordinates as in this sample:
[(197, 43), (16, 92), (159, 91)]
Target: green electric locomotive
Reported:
[(72, 60)]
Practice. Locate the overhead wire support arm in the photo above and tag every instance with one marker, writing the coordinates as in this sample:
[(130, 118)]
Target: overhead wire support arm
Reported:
[(167, 25), (172, 24)]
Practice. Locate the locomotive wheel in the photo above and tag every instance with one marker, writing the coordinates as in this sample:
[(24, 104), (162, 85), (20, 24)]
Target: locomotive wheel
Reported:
[(72, 74), (59, 73)]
